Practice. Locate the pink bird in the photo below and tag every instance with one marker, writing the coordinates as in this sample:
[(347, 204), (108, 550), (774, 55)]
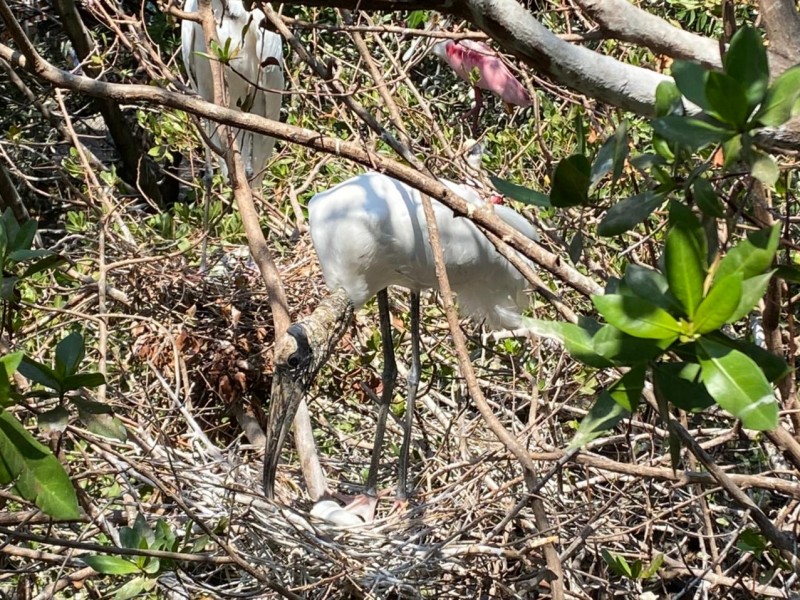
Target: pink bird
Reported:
[(466, 57)]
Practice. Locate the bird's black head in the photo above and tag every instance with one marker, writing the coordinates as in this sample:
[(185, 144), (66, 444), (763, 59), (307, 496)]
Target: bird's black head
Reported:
[(296, 353)]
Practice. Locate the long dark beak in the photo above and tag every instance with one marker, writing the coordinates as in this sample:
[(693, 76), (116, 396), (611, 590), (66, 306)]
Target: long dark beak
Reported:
[(299, 355)]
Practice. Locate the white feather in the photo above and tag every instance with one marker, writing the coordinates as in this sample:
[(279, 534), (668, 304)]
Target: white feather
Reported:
[(254, 77), (370, 232)]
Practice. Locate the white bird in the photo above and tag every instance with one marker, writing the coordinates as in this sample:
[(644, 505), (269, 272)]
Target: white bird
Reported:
[(254, 74), (369, 233)]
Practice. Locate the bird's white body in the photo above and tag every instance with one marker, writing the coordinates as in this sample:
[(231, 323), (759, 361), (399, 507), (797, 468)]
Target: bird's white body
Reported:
[(370, 232), (254, 76)]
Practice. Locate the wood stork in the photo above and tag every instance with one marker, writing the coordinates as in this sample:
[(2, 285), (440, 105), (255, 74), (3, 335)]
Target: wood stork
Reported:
[(468, 56), (369, 233), (254, 74)]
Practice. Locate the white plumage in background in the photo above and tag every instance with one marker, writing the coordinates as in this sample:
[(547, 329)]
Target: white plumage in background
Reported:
[(254, 76), (369, 233)]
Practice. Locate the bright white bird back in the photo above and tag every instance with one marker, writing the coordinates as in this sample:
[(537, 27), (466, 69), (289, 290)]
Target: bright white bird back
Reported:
[(370, 232), (256, 68)]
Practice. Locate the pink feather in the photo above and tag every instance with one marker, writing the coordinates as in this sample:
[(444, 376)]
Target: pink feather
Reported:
[(467, 55)]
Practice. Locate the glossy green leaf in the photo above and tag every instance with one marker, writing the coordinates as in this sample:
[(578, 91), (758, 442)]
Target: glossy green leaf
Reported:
[(10, 362), (603, 416), (727, 99), (668, 99), (624, 349), (48, 262), (781, 98), (110, 565), (39, 373), (55, 419), (99, 419), (617, 564), (575, 249), (628, 213), (746, 62), (691, 81), (135, 588), (753, 255), (637, 317), (27, 254), (652, 570), (35, 472), (89, 380), (611, 156), (789, 273), (689, 132), (719, 305), (650, 285), (706, 198), (571, 182), (774, 367), (738, 385), (577, 339), (732, 151), (627, 391), (520, 193), (753, 290), (69, 354), (681, 385), (684, 262)]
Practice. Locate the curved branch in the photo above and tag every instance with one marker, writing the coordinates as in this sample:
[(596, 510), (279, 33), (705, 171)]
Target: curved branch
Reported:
[(627, 22), (783, 29)]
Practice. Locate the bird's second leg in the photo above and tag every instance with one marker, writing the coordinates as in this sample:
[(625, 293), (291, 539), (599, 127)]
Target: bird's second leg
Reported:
[(388, 377), (411, 398), (474, 113)]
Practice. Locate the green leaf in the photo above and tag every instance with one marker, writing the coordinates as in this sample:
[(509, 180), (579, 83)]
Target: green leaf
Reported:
[(717, 307), (668, 99), (520, 193), (577, 339), (789, 273), (39, 373), (681, 385), (41, 265), (11, 362), (571, 182), (637, 317), (110, 565), (55, 419), (652, 570), (628, 213), (764, 168), (100, 419), (624, 349), (706, 198), (135, 588), (89, 380), (691, 81), (781, 98), (611, 156), (69, 354), (603, 416), (7, 288), (22, 255), (732, 151), (738, 385), (618, 565), (727, 99), (628, 389), (753, 290), (575, 249), (35, 472), (689, 132), (752, 256), (774, 367), (746, 62), (649, 285), (684, 262)]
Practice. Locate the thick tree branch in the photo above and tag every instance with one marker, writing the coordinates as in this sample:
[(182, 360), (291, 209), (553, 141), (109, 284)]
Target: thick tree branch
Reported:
[(782, 23), (627, 22)]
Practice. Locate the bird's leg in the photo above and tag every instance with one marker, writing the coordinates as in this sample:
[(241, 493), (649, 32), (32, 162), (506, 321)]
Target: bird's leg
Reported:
[(389, 375), (475, 112), (411, 397)]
